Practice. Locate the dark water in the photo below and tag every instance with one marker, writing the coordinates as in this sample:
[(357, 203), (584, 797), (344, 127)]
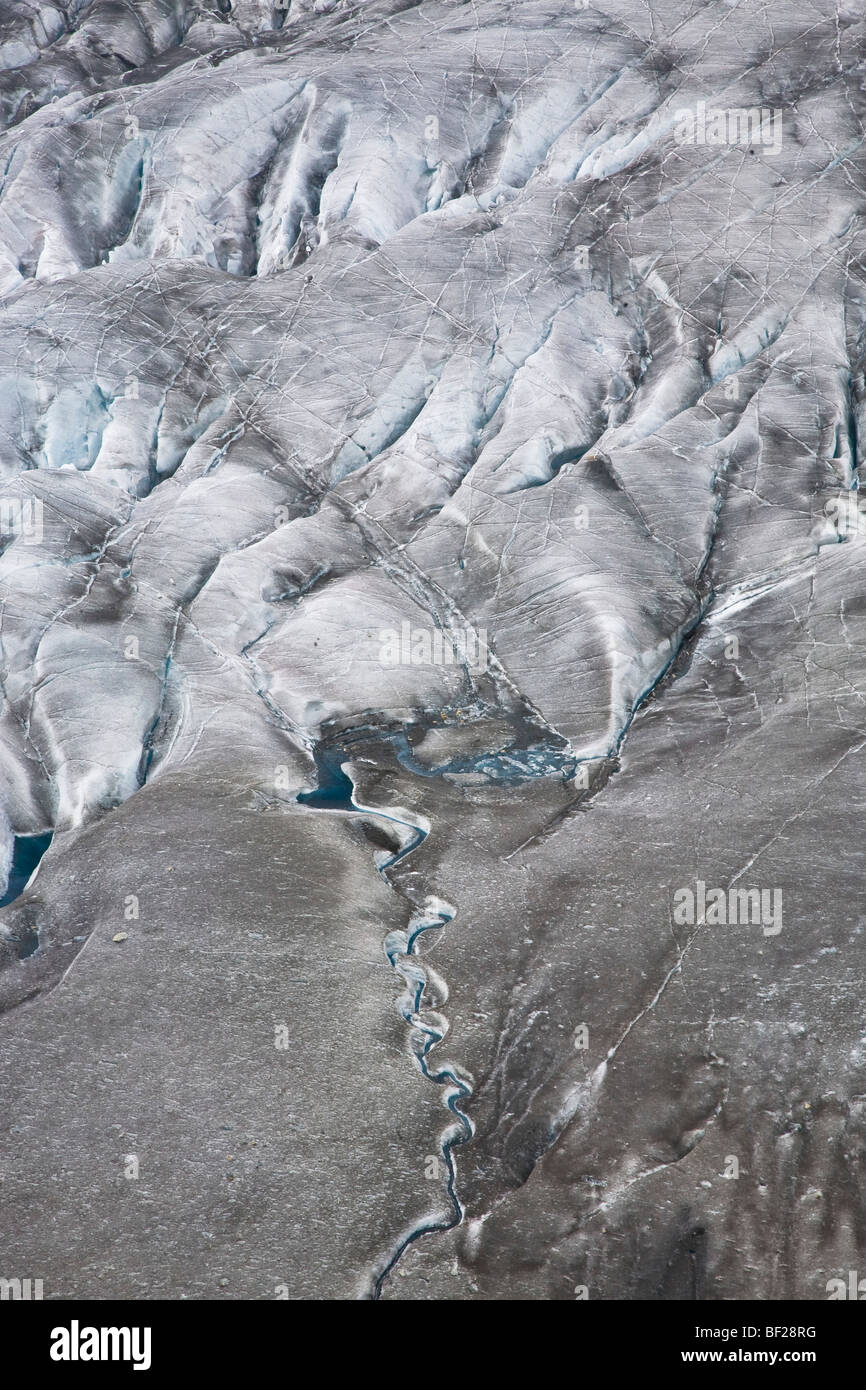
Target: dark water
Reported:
[(334, 792), (28, 850)]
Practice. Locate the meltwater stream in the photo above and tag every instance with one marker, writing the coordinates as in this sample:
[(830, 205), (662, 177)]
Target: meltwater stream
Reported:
[(428, 1026), (26, 854)]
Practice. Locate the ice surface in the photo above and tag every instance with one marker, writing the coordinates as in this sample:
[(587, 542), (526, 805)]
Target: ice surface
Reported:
[(359, 324)]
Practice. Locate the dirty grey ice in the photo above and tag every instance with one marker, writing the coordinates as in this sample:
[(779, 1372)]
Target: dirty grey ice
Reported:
[(432, 648)]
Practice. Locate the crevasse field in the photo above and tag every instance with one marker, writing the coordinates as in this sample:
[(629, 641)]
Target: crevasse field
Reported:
[(432, 648)]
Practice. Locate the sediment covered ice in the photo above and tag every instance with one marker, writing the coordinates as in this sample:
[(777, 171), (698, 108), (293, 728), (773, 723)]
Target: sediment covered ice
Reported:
[(395, 406)]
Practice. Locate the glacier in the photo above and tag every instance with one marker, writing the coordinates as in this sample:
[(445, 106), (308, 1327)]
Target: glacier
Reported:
[(332, 324)]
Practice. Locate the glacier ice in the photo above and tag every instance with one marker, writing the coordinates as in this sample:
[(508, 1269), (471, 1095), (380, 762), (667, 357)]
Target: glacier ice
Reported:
[(326, 323)]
